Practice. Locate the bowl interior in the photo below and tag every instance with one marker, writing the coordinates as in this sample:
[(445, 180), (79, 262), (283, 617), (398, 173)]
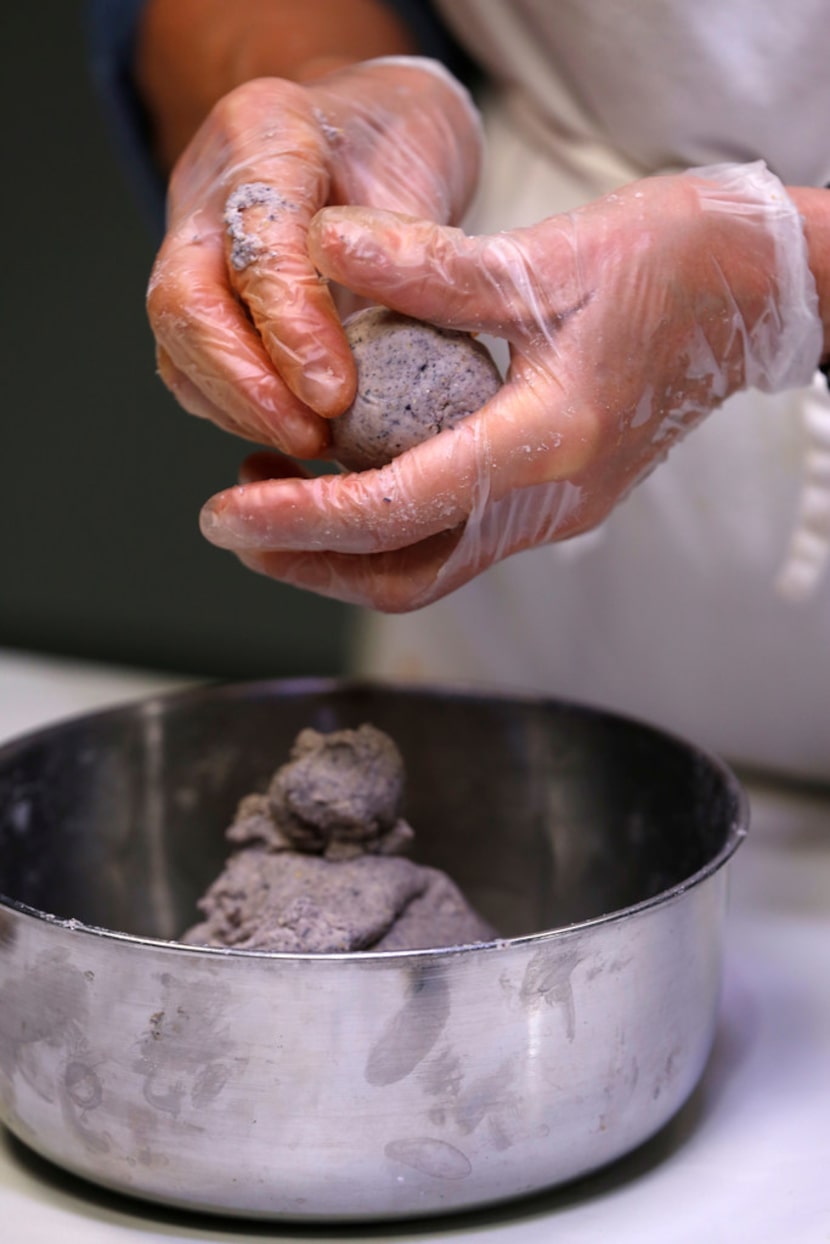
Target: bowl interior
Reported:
[(545, 813)]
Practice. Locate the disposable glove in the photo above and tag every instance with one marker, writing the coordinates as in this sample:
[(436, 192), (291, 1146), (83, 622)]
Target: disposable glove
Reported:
[(628, 320), (247, 331)]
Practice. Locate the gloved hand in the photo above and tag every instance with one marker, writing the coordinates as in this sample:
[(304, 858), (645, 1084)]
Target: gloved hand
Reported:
[(247, 331), (628, 321)]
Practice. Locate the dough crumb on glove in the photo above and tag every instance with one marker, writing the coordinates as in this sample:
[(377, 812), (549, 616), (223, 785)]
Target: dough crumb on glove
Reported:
[(318, 867), (413, 380)]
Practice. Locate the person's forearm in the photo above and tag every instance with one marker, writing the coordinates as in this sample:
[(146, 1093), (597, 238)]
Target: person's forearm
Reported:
[(189, 53), (814, 206)]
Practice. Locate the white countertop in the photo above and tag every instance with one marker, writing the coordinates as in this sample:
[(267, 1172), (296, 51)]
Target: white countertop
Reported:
[(747, 1160)]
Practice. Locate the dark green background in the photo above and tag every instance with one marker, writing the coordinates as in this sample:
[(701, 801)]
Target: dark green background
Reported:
[(102, 475)]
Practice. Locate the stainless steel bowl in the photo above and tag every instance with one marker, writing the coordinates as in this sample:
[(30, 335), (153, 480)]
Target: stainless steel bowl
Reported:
[(358, 1086)]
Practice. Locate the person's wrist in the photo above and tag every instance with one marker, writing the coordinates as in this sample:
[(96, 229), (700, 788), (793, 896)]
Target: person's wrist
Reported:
[(191, 53), (414, 124), (440, 77), (813, 204), (782, 348)]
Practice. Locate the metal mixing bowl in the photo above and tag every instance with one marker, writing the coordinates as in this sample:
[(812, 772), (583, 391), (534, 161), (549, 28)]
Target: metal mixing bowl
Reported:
[(358, 1086)]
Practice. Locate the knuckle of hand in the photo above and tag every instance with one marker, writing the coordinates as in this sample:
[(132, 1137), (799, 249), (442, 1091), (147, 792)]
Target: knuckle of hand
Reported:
[(257, 103), (170, 308)]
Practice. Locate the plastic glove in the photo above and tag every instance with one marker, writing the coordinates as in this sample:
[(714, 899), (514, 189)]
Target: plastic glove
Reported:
[(247, 331), (628, 321)]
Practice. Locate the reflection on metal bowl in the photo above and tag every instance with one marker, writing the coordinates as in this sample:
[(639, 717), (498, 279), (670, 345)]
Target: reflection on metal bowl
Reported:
[(358, 1086)]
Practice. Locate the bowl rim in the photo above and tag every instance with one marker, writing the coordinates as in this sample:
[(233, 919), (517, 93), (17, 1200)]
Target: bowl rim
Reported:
[(273, 688)]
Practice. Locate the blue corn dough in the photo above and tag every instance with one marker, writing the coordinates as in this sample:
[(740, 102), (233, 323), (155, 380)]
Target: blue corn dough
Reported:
[(318, 866), (414, 380)]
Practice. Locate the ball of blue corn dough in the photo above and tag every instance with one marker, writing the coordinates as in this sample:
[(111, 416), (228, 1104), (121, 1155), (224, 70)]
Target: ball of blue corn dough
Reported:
[(413, 380)]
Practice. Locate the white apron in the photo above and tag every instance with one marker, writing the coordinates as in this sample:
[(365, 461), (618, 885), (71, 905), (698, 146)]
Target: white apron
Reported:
[(673, 610)]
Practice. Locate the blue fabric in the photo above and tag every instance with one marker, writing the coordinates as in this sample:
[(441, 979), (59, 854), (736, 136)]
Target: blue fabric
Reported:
[(111, 32), (431, 35)]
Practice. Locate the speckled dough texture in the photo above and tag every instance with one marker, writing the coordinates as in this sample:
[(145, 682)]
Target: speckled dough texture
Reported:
[(318, 867), (413, 380)]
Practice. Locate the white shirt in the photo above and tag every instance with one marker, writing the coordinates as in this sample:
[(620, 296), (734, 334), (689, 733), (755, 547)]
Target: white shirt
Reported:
[(671, 611)]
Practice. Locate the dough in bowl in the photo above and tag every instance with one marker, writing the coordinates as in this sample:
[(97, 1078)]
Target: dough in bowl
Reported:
[(318, 864)]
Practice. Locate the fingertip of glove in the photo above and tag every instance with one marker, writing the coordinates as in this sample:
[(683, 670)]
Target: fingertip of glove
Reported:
[(329, 227), (342, 227), (328, 394), (212, 526)]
